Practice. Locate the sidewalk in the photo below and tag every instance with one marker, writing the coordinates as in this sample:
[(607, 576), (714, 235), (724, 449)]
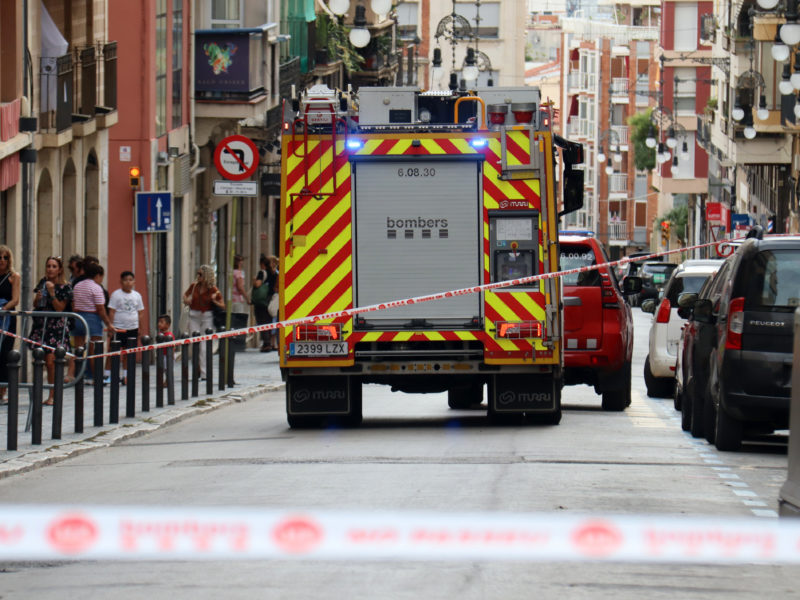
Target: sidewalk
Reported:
[(255, 373)]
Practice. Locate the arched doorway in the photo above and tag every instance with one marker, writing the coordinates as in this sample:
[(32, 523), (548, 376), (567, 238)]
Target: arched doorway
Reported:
[(69, 210), (45, 227), (91, 239)]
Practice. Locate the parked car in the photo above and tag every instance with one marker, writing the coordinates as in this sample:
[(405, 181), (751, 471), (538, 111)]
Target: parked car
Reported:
[(598, 325), (697, 339), (634, 268), (655, 275), (750, 366), (665, 330)]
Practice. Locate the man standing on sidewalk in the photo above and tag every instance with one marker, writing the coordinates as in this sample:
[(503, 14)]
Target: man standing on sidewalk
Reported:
[(126, 311)]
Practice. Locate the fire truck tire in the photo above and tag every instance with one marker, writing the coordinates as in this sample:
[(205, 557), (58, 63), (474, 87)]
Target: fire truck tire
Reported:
[(464, 398), (304, 421), (551, 418), (617, 400)]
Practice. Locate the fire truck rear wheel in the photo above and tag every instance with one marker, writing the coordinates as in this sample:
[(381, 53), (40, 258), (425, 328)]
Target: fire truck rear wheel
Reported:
[(463, 398), (619, 399)]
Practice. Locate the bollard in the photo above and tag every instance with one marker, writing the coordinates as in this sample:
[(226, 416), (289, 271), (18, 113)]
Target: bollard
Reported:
[(36, 396), (113, 407), (231, 360), (146, 358), (170, 375), (79, 359), (58, 390), (195, 365), (97, 374), (160, 373), (185, 369), (223, 353), (130, 379), (209, 362), (13, 364)]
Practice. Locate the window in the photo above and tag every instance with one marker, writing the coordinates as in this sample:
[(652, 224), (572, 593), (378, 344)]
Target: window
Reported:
[(177, 64), (161, 67), (774, 279), (685, 34), (226, 14), (489, 13), (407, 19), (685, 91)]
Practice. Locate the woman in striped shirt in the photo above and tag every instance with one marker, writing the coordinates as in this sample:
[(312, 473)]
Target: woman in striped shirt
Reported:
[(88, 300)]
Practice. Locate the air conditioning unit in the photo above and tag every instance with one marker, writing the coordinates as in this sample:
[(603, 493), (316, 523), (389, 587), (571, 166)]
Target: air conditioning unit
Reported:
[(162, 159)]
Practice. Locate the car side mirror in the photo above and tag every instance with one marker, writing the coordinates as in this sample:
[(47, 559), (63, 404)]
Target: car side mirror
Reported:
[(631, 285), (687, 300), (649, 306), (703, 311), (684, 313)]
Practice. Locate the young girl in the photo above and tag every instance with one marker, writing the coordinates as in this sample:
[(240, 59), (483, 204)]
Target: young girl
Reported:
[(9, 300)]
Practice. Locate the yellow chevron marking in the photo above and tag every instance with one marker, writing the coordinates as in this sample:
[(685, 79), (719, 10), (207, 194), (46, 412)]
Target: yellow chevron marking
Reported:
[(432, 146), (306, 213), (463, 146), (400, 147), (323, 288)]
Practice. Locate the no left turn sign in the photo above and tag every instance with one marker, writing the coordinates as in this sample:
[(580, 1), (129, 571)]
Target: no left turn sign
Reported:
[(236, 157)]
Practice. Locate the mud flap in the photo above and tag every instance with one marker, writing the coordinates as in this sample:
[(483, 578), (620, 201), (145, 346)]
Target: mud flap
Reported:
[(523, 393), (318, 395)]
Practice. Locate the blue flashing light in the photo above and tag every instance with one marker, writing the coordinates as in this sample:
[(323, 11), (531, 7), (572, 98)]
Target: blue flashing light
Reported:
[(478, 142), (354, 144)]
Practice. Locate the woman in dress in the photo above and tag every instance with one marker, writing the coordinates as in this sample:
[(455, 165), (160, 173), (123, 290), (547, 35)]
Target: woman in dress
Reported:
[(9, 300), (200, 296), (52, 293)]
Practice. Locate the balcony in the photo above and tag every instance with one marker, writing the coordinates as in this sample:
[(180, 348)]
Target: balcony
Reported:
[(71, 86), (617, 231), (232, 72), (618, 183), (580, 81), (619, 90), (578, 128), (622, 135)]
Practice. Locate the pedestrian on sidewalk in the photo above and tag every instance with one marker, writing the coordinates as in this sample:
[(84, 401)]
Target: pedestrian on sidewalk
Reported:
[(126, 311), (201, 296), (10, 282), (265, 284), (240, 309), (54, 294), (89, 301)]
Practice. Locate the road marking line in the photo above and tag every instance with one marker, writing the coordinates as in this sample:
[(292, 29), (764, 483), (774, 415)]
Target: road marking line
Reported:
[(760, 512), (754, 503), (748, 493)]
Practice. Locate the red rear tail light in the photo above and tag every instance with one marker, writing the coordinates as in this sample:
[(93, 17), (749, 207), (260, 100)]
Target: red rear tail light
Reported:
[(735, 324), (609, 293), (318, 333), (662, 315), (515, 330)]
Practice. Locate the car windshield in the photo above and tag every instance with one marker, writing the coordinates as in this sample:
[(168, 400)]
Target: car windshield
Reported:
[(685, 284), (659, 273), (574, 256), (774, 279)]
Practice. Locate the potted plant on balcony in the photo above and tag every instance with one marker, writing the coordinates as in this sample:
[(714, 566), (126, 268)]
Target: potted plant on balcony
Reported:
[(711, 108)]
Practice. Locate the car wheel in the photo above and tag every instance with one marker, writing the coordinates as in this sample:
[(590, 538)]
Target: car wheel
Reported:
[(728, 431), (618, 399), (677, 397), (686, 414), (657, 387), (461, 398), (709, 418)]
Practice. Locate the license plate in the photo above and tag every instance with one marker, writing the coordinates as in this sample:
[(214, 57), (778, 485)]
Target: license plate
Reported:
[(318, 349), (658, 278)]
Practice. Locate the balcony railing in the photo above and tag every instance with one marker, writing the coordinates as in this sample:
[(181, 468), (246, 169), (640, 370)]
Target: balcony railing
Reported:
[(622, 134), (580, 81), (618, 183), (229, 63), (617, 230), (573, 127), (76, 82), (619, 86)]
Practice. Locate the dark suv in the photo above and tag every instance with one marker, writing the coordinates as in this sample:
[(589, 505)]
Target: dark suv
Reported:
[(750, 365), (655, 275), (598, 326)]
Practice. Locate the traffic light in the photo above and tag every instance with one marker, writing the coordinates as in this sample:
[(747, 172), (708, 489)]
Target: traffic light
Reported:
[(664, 233), (135, 175)]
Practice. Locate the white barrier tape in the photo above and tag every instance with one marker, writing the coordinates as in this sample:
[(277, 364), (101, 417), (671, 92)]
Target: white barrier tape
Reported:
[(349, 312), (147, 533)]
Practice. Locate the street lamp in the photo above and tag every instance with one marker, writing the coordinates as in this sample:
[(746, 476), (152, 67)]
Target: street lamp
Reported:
[(437, 71), (339, 7), (671, 141), (685, 150), (381, 7), (762, 113), (738, 112), (470, 70), (785, 86), (609, 167), (797, 106), (749, 130), (601, 157), (359, 34), (779, 51), (651, 141), (768, 4)]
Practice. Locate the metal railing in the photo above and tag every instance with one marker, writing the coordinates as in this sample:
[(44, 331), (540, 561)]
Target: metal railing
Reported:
[(617, 230), (622, 134), (619, 86), (19, 323), (618, 183)]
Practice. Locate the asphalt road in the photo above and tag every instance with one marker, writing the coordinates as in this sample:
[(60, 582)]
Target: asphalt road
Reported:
[(412, 452)]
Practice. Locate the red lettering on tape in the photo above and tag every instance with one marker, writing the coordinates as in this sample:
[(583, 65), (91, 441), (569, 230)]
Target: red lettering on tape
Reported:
[(72, 534), (297, 535), (597, 538)]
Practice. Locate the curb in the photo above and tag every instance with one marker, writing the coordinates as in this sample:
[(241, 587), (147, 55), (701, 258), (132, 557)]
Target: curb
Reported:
[(116, 433)]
